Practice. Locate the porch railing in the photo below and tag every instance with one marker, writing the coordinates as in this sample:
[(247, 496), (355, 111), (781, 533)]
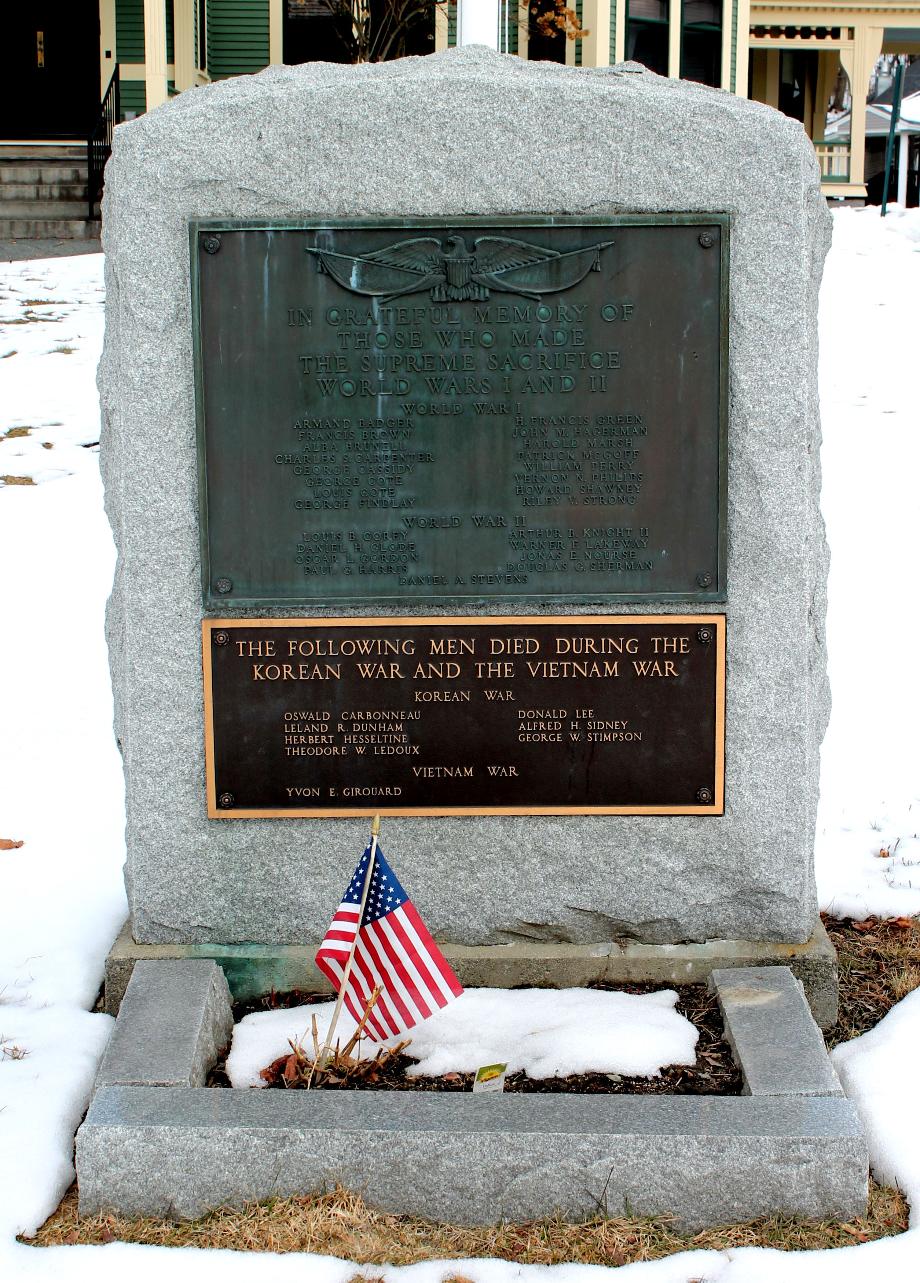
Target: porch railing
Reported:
[(834, 159), (99, 143)]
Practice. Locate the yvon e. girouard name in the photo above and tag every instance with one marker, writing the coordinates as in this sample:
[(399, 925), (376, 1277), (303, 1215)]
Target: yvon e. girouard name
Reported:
[(464, 411), (437, 716)]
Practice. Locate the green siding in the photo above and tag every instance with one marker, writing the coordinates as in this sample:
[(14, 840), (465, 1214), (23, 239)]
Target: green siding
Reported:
[(129, 30), (237, 37), (133, 97)]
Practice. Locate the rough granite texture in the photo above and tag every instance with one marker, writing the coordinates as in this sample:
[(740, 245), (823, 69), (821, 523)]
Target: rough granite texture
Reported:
[(772, 1033), (472, 1159), (471, 132), (254, 969), (175, 1019)]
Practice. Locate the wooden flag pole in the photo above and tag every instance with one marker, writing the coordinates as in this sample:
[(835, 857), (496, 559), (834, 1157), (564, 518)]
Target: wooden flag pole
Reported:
[(324, 1054)]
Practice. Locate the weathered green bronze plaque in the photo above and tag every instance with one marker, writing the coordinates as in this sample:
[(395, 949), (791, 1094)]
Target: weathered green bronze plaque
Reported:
[(440, 716), (473, 410)]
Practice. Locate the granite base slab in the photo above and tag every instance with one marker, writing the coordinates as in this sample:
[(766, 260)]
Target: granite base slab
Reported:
[(254, 969), (179, 1151)]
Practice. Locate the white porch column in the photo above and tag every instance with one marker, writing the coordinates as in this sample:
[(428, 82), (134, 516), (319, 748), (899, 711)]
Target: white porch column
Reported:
[(903, 156), (675, 20), (184, 40), (595, 48), (275, 32), (859, 64), (477, 22), (155, 52)]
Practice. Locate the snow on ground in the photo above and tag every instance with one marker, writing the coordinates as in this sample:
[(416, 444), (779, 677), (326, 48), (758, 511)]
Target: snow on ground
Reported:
[(870, 779), (61, 899), (547, 1033)]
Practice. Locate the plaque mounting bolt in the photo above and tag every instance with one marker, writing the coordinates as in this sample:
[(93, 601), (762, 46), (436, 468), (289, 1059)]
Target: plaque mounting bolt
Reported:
[(704, 581), (226, 800), (706, 239), (223, 585), (221, 638), (210, 244), (704, 796), (703, 635)]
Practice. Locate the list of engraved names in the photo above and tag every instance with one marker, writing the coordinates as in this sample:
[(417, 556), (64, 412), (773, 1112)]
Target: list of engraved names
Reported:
[(579, 712), (534, 417)]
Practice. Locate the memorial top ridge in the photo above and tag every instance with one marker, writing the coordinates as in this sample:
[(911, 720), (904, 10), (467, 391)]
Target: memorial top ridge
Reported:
[(463, 410)]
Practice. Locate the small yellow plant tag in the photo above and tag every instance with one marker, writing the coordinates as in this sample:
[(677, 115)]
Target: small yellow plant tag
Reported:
[(490, 1078)]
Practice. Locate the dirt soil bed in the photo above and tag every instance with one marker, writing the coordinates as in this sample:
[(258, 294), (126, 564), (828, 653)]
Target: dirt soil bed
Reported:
[(714, 1073)]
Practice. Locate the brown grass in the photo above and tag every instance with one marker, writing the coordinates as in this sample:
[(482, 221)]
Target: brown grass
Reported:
[(879, 962), (16, 432), (341, 1224), (17, 481)]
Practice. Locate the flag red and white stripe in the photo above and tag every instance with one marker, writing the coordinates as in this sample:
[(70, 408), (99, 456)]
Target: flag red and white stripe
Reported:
[(394, 951)]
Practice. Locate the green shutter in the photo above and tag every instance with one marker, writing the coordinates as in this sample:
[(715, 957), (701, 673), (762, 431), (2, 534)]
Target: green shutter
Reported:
[(733, 81), (129, 31), (613, 31), (237, 37), (451, 24)]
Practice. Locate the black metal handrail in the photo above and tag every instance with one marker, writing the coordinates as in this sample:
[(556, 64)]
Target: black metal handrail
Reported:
[(99, 143)]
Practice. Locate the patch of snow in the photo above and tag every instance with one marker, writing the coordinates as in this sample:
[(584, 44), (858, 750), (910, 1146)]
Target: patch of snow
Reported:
[(547, 1033), (870, 761), (879, 1072)]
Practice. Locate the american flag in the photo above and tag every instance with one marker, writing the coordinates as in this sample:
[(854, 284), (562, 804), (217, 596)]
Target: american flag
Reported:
[(394, 951)]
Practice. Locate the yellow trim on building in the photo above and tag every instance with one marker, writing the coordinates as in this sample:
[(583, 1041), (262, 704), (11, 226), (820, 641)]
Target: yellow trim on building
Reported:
[(728, 22), (275, 32), (184, 41), (675, 19), (523, 28), (138, 71), (441, 28), (106, 44), (595, 48), (620, 34)]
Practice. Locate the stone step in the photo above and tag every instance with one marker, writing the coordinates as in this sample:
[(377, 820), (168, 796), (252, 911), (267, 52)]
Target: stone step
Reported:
[(32, 229), (42, 208), (42, 191), (14, 172), (41, 155)]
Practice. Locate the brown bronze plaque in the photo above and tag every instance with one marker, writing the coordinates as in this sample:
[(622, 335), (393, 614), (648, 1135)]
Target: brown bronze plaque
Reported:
[(415, 716), (407, 411)]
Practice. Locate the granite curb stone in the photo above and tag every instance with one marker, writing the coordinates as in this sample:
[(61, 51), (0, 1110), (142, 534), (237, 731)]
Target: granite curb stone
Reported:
[(473, 1159), (174, 1020), (772, 1033)]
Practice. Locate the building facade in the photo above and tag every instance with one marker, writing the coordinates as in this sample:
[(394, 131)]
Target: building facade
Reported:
[(798, 57)]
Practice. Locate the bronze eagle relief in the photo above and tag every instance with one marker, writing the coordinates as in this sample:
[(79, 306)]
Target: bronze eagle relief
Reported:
[(451, 271)]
